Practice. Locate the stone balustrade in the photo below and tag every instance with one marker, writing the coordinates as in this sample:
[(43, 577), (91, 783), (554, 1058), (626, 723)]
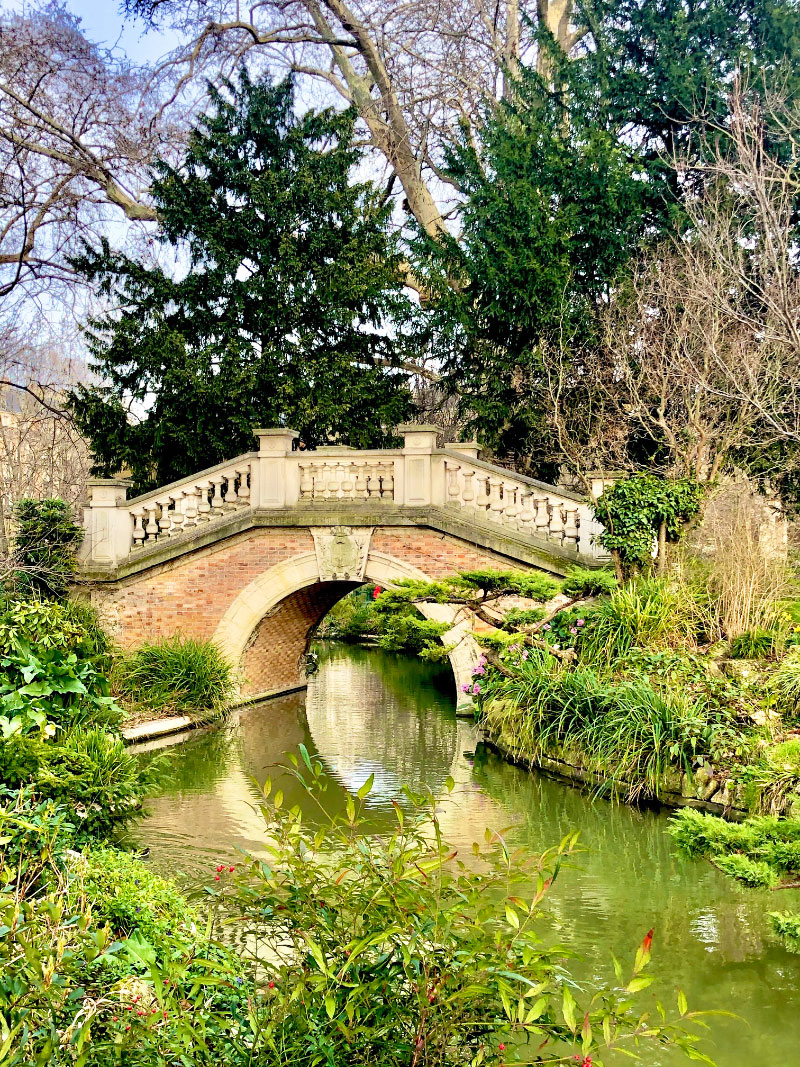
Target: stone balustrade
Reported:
[(275, 478)]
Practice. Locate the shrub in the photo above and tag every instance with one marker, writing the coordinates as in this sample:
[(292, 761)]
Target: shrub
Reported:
[(179, 674), (100, 781), (45, 545), (125, 893), (531, 584), (387, 944), (411, 633), (585, 582), (761, 851), (634, 510), (755, 873)]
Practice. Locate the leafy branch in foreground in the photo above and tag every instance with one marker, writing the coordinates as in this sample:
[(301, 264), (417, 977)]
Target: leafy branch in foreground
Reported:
[(393, 949)]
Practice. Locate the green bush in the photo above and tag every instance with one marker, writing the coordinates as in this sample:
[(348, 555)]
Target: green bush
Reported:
[(45, 545), (409, 633), (178, 674), (93, 773), (762, 850), (585, 582), (125, 893)]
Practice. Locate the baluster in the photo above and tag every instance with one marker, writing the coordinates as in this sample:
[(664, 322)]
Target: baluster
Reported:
[(511, 510), (482, 501), (453, 487), (333, 480), (138, 526), (244, 484), (204, 507), (165, 520), (361, 481), (387, 481), (556, 523), (320, 472), (572, 527), (526, 514), (176, 515), (495, 500), (374, 482), (468, 492), (306, 481), (217, 500), (190, 507), (348, 481), (151, 529), (542, 515), (231, 499)]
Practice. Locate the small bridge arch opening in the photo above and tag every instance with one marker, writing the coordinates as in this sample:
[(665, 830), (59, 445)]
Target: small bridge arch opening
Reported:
[(265, 630)]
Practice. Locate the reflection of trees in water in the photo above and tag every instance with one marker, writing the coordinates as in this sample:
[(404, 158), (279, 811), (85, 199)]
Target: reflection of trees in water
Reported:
[(711, 938), (371, 712)]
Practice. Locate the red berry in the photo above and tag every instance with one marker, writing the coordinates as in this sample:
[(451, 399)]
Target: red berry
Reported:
[(216, 877), (502, 1047), (231, 868), (271, 985)]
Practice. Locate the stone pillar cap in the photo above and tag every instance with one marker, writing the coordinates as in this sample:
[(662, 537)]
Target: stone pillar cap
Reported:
[(276, 431), (418, 427)]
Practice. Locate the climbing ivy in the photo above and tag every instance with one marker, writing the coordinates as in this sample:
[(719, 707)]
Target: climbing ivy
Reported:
[(644, 510)]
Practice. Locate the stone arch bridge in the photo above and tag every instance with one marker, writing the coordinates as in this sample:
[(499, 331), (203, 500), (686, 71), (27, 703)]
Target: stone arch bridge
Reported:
[(254, 552)]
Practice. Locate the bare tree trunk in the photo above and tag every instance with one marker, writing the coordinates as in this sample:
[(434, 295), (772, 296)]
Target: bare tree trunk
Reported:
[(661, 556)]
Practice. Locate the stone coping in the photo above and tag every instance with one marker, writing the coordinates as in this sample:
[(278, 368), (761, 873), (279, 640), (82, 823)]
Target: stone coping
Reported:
[(146, 731), (534, 551)]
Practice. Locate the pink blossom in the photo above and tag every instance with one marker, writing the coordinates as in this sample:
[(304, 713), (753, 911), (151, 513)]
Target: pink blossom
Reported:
[(580, 622), (476, 689)]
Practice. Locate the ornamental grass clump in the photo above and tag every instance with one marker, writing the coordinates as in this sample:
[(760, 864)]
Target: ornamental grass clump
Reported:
[(648, 613), (179, 674)]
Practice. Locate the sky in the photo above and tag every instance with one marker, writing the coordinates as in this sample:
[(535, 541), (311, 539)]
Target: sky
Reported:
[(103, 23)]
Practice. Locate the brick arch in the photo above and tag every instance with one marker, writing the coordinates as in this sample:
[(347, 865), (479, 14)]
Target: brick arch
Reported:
[(264, 631)]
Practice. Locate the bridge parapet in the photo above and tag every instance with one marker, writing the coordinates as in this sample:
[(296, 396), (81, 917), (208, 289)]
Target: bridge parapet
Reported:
[(276, 478)]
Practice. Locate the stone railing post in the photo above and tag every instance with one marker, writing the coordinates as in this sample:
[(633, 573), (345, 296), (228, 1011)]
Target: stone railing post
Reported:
[(465, 448), (420, 487), (108, 524), (276, 480)]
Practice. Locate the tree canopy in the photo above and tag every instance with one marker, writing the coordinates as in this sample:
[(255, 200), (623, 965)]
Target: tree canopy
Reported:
[(287, 307)]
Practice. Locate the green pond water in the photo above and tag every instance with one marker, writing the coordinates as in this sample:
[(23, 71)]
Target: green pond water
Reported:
[(369, 712)]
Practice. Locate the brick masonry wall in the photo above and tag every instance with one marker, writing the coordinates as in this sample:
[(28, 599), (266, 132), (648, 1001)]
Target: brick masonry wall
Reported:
[(191, 593), (274, 658)]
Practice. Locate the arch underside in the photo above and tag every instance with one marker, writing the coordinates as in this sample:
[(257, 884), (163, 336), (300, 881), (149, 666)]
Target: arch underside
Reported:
[(265, 629)]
